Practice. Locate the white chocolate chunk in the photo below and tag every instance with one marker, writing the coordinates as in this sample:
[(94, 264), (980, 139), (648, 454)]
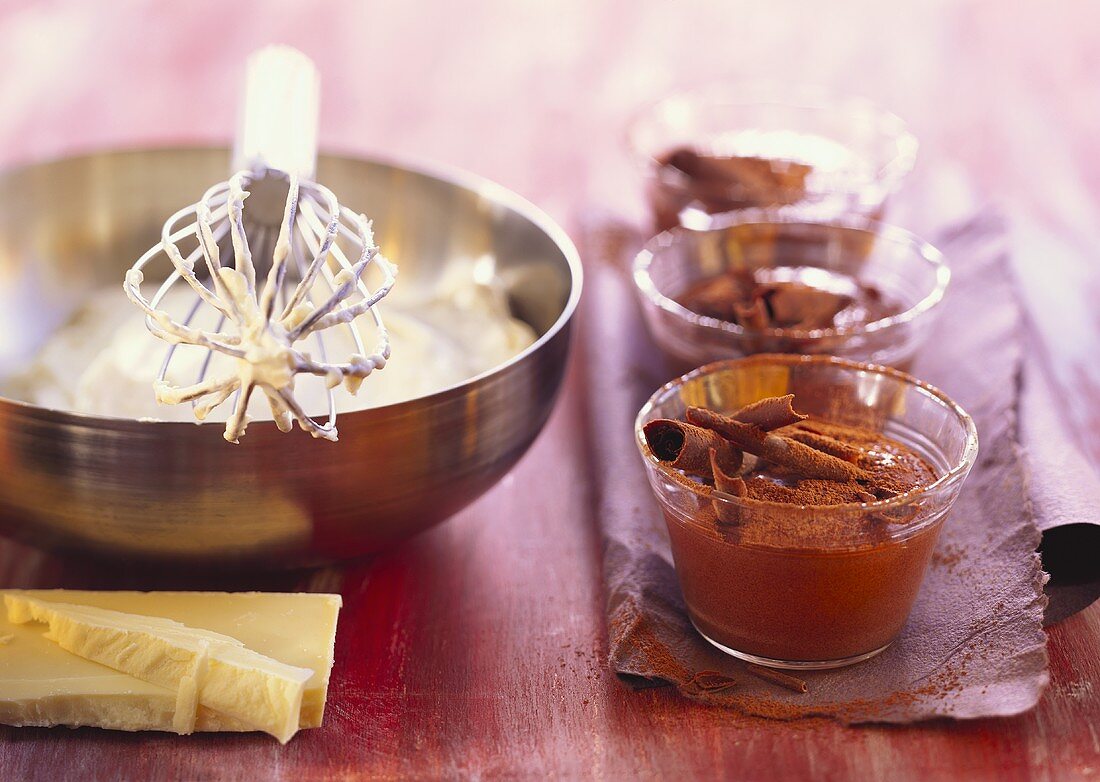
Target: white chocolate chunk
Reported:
[(42, 684)]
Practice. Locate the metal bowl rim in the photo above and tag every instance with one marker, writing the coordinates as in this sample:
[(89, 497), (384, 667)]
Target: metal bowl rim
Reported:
[(448, 174)]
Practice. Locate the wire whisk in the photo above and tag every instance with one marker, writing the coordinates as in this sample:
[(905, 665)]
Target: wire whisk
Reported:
[(298, 264)]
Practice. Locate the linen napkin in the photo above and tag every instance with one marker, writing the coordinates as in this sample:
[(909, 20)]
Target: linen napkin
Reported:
[(974, 644)]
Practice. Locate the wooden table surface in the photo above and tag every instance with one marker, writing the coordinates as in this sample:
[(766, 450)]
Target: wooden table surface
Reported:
[(478, 649)]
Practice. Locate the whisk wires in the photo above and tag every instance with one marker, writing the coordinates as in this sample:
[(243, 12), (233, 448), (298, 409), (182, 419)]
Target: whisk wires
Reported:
[(263, 325)]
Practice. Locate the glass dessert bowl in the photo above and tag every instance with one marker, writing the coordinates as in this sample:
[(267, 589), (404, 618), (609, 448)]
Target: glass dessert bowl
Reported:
[(814, 560), (769, 281), (724, 147)]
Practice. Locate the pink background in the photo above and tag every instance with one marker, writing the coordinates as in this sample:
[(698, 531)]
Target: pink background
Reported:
[(535, 95)]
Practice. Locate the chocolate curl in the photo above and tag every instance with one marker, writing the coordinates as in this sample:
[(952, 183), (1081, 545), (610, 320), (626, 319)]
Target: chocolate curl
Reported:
[(777, 449), (774, 412), (799, 306), (715, 298), (686, 447), (728, 484), (683, 446), (711, 681), (785, 680), (826, 444), (725, 183), (752, 316)]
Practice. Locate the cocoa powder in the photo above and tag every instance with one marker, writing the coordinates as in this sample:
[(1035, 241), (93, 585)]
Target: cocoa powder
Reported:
[(893, 468)]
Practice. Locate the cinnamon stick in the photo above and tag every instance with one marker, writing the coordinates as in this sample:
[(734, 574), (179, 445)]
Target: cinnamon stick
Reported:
[(777, 449), (686, 447)]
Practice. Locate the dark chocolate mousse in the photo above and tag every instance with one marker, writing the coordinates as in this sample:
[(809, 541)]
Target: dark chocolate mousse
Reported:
[(796, 559)]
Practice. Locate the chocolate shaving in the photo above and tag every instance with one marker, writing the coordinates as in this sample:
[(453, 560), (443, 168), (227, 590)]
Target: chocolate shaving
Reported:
[(726, 512), (777, 449), (686, 447), (715, 298), (773, 412), (799, 306), (785, 680), (723, 183), (711, 681), (738, 297), (826, 444), (752, 316)]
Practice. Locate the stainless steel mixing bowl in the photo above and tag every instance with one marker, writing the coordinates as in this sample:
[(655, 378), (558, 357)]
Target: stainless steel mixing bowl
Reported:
[(176, 491)]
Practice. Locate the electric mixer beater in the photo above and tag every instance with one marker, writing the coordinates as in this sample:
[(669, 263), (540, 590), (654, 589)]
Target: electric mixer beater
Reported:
[(293, 245)]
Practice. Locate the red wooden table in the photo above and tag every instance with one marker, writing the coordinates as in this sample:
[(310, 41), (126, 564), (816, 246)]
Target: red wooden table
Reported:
[(479, 648)]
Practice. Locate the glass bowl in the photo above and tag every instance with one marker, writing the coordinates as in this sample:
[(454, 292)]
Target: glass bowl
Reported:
[(857, 153), (849, 250), (807, 587)]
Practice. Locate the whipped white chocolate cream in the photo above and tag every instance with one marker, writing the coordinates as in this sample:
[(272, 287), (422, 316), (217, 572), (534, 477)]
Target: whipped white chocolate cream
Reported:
[(105, 360)]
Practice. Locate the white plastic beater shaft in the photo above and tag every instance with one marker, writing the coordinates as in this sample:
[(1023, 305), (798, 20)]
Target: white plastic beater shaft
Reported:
[(278, 123)]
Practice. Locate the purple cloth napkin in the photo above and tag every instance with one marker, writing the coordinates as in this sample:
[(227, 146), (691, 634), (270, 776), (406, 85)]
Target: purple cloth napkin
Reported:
[(1064, 490), (974, 644)]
